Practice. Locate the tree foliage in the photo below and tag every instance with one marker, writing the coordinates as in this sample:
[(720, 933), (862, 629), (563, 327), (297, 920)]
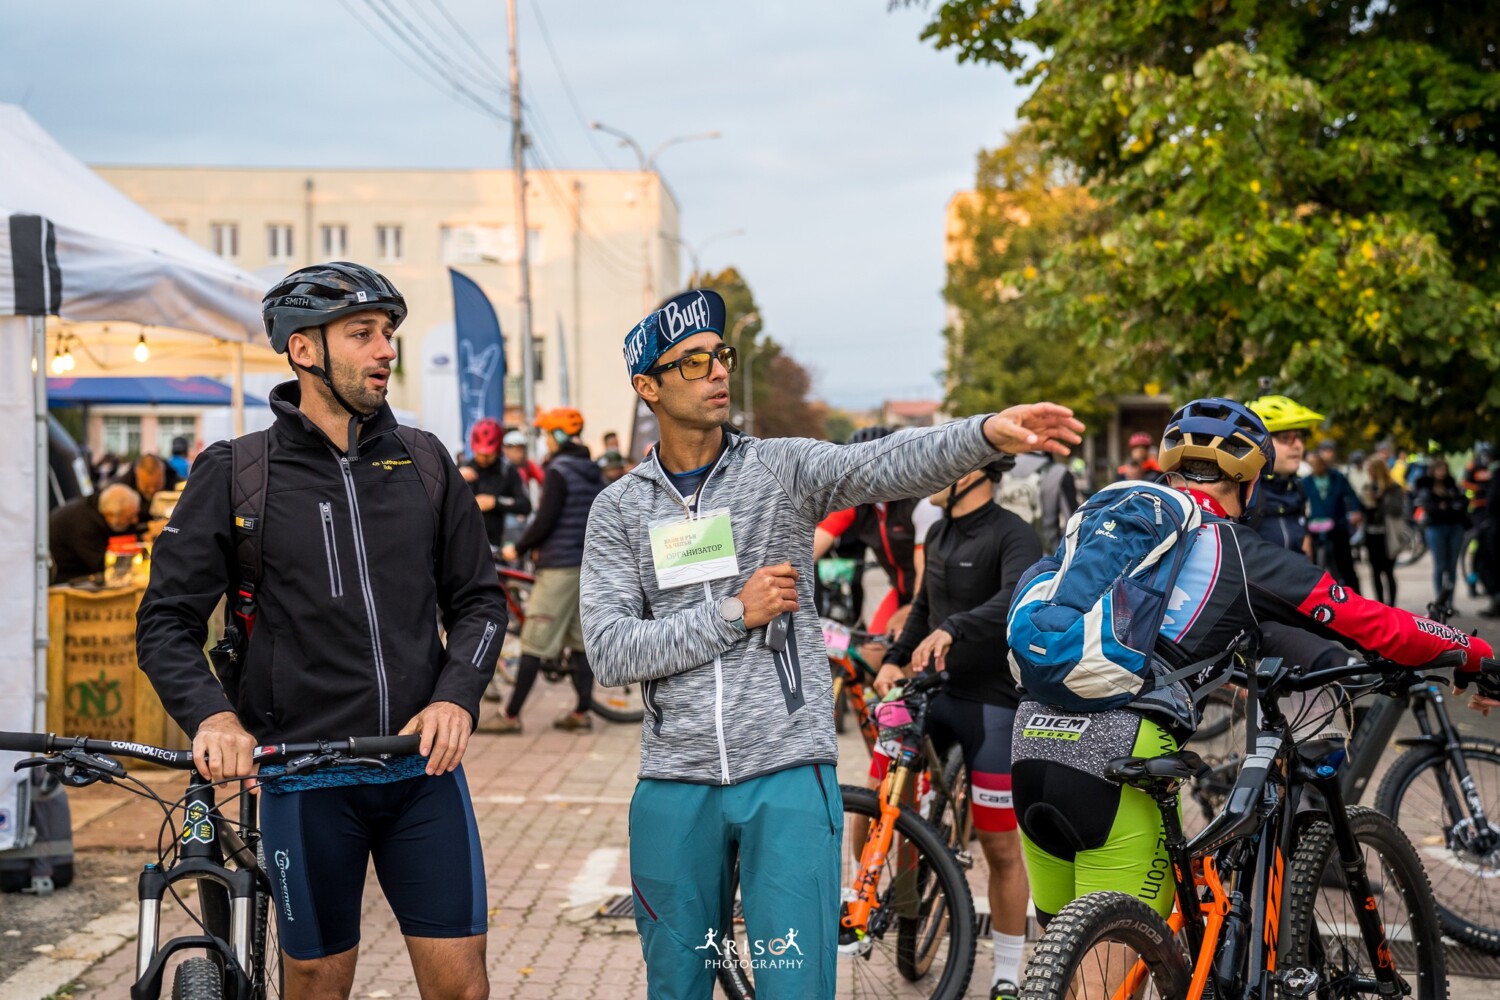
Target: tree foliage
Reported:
[(1000, 351), (1305, 189), (780, 387)]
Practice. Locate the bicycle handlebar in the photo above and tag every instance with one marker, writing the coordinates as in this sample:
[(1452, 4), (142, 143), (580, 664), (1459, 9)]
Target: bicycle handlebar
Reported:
[(1314, 679), (182, 760)]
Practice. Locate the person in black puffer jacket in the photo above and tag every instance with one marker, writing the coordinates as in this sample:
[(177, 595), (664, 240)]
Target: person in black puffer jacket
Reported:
[(555, 535)]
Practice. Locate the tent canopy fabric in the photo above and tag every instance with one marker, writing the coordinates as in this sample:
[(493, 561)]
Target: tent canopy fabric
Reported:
[(141, 391), (75, 248)]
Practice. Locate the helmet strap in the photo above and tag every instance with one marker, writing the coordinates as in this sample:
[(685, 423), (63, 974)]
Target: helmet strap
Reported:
[(320, 372), (956, 495)]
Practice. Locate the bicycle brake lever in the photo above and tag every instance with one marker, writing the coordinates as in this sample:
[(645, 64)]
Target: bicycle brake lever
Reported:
[(107, 768), (308, 762), (366, 761), (32, 762)]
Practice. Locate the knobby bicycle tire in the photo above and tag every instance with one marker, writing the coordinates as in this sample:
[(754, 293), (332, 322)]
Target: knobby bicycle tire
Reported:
[(267, 975), (1320, 928), (918, 939), (1465, 878), (960, 923), (1105, 918), (197, 979)]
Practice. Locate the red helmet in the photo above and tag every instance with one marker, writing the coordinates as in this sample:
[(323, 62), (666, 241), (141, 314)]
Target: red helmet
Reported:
[(485, 435), (1141, 440)]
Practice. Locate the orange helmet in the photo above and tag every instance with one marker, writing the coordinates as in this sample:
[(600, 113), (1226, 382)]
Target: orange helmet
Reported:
[(564, 418)]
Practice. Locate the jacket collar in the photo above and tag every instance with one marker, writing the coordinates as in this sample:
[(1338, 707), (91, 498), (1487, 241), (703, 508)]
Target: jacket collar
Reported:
[(1206, 502), (293, 423), (651, 468)]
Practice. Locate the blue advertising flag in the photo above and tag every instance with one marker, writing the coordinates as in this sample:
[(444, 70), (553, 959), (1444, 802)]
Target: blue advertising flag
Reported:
[(481, 354)]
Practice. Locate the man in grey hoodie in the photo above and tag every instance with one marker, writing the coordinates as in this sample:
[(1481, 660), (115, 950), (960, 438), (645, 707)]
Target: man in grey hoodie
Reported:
[(697, 566)]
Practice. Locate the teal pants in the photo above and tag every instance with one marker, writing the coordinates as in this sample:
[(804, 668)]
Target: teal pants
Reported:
[(786, 829)]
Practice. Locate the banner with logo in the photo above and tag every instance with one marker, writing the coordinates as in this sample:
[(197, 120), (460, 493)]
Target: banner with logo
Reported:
[(481, 355)]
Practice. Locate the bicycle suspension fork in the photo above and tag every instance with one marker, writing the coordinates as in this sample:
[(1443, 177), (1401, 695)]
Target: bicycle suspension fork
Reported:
[(1447, 737)]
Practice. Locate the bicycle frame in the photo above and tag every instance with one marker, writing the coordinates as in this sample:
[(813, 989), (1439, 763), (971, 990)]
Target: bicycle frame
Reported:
[(849, 678)]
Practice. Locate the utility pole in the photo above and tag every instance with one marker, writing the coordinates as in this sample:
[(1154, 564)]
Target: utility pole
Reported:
[(518, 157)]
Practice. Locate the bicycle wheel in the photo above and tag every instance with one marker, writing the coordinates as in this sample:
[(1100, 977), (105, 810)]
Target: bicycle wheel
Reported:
[(267, 976), (197, 979), (1092, 944), (935, 898), (1321, 921), (1462, 860)]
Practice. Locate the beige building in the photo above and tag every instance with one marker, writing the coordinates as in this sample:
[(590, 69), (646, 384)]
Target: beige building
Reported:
[(602, 246)]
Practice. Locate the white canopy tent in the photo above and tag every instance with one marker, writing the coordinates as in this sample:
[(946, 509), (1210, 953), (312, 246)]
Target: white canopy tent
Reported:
[(85, 270)]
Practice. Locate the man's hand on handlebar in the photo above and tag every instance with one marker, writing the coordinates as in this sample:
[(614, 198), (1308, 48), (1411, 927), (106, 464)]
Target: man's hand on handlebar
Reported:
[(444, 728), (889, 676), (221, 748), (1486, 681)]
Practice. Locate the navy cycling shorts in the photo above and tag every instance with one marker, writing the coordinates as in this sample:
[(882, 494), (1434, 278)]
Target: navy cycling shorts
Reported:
[(424, 841)]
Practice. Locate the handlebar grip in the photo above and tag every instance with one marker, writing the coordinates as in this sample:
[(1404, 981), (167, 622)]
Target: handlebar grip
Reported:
[(1454, 658), (26, 742), (379, 746)]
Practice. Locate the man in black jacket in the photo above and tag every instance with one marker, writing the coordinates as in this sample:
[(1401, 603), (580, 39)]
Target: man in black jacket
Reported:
[(359, 557), (975, 556), (555, 534), (496, 483)]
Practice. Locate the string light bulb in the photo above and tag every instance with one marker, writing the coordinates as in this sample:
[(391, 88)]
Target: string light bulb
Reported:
[(142, 352), (58, 366)]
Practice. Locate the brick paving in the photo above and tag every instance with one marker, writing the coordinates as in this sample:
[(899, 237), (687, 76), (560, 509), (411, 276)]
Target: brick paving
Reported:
[(552, 814)]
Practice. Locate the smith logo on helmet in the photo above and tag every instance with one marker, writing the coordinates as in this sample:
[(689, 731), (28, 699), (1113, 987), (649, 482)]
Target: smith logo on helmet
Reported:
[(677, 320), (298, 301)]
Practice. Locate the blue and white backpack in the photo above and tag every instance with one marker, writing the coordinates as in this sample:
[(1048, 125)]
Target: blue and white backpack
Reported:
[(1084, 621)]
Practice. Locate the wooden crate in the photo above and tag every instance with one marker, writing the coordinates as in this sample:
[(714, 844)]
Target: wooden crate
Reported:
[(95, 688)]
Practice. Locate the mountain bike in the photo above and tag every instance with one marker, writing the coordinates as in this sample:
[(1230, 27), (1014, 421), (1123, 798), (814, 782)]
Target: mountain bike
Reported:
[(613, 704), (907, 924), (1443, 790), (1272, 899), (239, 956)]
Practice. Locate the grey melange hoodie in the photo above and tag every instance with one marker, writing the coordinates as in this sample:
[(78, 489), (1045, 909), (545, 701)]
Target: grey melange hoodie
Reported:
[(721, 707)]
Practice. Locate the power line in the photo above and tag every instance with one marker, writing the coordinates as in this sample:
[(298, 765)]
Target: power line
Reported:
[(437, 67), (459, 30), (420, 71), (588, 131), (480, 69), (439, 58)]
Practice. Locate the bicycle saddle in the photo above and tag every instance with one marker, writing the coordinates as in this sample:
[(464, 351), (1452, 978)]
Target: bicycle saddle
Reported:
[(1153, 773)]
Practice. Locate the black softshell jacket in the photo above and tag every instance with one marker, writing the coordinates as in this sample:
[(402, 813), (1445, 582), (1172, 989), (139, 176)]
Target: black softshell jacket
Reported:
[(358, 568)]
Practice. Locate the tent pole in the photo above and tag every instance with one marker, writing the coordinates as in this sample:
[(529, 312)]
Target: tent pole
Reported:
[(43, 478), (237, 389)]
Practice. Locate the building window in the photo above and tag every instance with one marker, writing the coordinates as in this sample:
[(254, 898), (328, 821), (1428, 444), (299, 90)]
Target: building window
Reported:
[(122, 435), (278, 242), (168, 428), (335, 241), (388, 243), (225, 238)]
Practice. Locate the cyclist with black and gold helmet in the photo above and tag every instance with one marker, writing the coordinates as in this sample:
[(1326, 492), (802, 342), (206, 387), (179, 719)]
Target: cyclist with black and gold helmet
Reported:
[(1082, 833)]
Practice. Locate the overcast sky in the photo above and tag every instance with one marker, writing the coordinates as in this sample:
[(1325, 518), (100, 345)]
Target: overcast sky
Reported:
[(843, 135)]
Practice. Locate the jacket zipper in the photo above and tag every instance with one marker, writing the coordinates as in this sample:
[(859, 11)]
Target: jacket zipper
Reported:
[(330, 549), (363, 566), (708, 595), (484, 643)]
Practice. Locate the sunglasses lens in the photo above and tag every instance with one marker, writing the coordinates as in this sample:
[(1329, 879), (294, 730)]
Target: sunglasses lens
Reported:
[(695, 366)]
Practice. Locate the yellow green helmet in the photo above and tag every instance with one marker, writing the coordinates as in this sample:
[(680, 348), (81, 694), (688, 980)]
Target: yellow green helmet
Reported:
[(1279, 413)]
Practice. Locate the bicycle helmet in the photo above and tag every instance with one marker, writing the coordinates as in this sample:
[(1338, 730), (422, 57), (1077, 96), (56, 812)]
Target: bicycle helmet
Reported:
[(515, 439), (1223, 432), (315, 295), (312, 297), (484, 436), (563, 419), (1280, 413), (873, 433), (1140, 439)]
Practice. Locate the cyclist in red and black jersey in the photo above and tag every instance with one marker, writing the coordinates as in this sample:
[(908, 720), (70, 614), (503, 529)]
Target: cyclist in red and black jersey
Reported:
[(886, 529)]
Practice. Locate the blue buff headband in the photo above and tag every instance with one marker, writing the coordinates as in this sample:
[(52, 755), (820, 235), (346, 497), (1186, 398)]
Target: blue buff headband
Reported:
[(691, 312)]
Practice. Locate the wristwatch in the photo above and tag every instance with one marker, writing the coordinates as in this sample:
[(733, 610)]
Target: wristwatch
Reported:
[(732, 610)]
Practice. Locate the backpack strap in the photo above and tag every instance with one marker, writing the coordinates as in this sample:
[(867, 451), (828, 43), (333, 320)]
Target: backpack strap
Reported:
[(429, 461), (248, 484)]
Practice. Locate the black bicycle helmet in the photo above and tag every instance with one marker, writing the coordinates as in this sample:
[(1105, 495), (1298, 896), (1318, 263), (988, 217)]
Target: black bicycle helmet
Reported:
[(320, 293), (312, 297), (872, 433)]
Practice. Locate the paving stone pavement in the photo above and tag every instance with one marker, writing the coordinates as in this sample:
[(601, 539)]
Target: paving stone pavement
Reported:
[(552, 814)]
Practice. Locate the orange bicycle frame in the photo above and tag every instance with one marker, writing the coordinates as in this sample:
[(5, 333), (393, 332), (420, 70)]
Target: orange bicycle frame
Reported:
[(1214, 912), (856, 915)]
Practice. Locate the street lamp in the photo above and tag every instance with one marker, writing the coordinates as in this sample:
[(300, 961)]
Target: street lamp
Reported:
[(695, 253), (747, 406), (648, 166)]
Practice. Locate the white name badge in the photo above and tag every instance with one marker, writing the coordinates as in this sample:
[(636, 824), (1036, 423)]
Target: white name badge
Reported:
[(687, 552)]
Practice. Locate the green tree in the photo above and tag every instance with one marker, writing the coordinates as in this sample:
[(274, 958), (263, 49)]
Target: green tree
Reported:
[(780, 387), (1302, 190), (999, 350)]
